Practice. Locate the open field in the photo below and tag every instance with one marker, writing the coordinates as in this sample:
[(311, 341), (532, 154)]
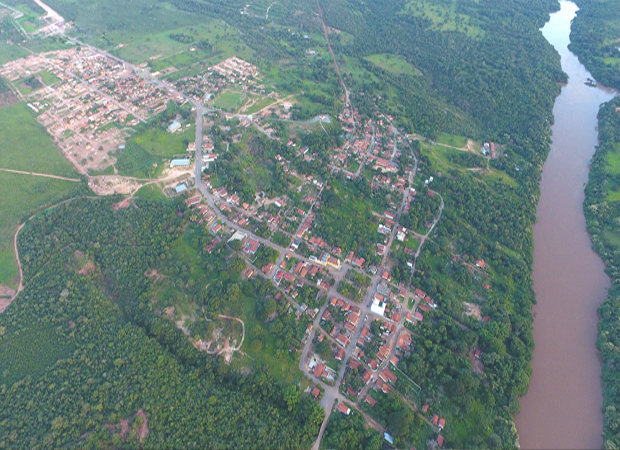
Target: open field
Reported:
[(160, 143), (151, 192), (393, 63), (230, 100), (48, 78), (27, 146), (444, 16)]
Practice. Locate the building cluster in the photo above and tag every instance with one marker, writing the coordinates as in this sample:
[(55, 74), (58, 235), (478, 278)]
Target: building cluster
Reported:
[(231, 71)]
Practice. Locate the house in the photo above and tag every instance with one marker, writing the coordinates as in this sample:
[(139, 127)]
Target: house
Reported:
[(339, 354), (318, 370), (425, 408), (441, 423), (251, 246), (383, 386), (316, 392), (268, 269), (343, 409), (353, 364), (351, 392), (193, 201), (387, 376), (394, 360), (373, 364), (366, 376), (440, 440), (435, 419), (342, 339), (371, 401), (481, 264)]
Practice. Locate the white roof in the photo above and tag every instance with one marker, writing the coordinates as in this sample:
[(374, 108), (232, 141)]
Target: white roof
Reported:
[(180, 188), (179, 162), (377, 307)]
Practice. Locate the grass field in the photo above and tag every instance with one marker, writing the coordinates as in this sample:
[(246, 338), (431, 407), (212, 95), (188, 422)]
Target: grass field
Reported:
[(444, 17), (48, 78), (450, 139), (134, 161), (393, 63), (160, 143), (151, 192), (29, 352), (260, 104), (26, 145), (230, 100), (33, 193), (613, 161)]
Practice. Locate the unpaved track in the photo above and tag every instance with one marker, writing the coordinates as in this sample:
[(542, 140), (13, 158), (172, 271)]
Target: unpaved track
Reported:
[(46, 175)]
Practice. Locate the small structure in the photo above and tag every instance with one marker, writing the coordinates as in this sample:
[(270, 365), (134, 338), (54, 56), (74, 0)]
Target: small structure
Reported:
[(174, 126), (388, 438), (180, 188), (343, 409), (179, 163)]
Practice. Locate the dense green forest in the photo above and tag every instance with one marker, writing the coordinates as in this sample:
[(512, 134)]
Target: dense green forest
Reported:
[(595, 34), (602, 209), (83, 353)]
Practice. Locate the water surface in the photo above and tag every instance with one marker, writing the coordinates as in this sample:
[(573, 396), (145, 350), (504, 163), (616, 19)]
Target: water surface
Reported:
[(563, 406)]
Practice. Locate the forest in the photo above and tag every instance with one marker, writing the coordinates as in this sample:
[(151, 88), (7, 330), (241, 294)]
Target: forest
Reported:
[(104, 361), (602, 210), (594, 39)]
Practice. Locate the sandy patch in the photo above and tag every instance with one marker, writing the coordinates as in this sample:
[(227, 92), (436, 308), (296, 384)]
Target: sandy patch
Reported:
[(87, 269)]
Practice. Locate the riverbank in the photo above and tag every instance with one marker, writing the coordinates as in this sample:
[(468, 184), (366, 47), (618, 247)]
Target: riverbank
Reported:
[(602, 209), (563, 406)]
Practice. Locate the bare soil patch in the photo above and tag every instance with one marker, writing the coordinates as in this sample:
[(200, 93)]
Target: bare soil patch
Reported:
[(8, 98), (144, 428), (87, 269), (6, 291), (154, 275), (4, 303)]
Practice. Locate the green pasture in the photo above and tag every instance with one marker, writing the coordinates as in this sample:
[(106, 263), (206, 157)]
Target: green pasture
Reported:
[(393, 63), (230, 100), (452, 140), (260, 104), (26, 145), (48, 78), (444, 17), (151, 192), (158, 142)]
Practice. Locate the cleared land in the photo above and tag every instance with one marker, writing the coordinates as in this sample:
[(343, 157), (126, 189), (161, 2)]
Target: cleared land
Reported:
[(393, 63)]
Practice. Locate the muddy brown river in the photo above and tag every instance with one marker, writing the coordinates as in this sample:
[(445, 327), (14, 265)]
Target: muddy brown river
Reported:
[(562, 408)]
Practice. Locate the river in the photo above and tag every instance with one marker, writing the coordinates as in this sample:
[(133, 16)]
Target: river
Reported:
[(562, 408)]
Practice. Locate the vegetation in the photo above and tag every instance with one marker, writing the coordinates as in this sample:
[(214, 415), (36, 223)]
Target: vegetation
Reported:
[(122, 356), (594, 39), (349, 433), (602, 209)]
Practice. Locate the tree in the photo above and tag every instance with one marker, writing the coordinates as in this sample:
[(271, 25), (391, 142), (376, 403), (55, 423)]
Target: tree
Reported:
[(291, 395), (400, 421)]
